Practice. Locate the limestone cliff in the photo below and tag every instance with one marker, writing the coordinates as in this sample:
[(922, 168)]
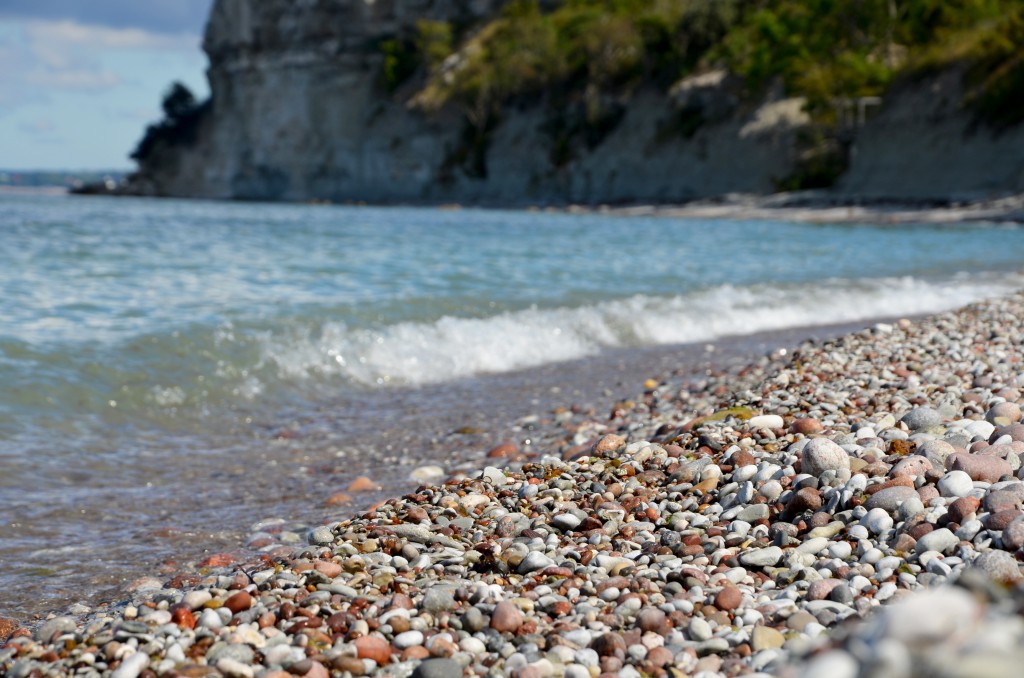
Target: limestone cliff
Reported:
[(298, 112)]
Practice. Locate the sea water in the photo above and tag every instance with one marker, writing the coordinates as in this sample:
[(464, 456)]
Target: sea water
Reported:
[(152, 352)]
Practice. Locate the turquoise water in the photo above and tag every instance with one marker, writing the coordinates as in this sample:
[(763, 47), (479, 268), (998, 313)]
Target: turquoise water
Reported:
[(142, 342)]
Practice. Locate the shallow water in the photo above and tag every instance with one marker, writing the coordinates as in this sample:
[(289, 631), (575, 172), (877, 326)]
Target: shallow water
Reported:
[(153, 352)]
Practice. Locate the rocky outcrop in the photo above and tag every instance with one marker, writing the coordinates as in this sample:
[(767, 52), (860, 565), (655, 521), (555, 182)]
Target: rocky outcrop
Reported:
[(299, 112)]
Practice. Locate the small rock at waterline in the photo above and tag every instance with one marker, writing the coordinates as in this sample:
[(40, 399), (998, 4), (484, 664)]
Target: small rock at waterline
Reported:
[(427, 475)]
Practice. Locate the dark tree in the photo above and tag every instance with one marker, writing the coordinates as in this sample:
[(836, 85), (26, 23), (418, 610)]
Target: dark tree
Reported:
[(179, 102), (182, 114)]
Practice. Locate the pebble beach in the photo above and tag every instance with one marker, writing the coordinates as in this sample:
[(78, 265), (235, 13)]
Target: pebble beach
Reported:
[(850, 507)]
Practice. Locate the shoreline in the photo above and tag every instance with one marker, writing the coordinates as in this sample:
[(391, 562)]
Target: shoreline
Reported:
[(813, 206), (448, 426), (824, 484), (825, 207)]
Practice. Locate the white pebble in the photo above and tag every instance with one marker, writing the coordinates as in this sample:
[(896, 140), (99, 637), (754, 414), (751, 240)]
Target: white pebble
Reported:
[(955, 484)]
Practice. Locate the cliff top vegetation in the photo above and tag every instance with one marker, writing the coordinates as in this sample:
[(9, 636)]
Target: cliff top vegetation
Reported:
[(589, 51)]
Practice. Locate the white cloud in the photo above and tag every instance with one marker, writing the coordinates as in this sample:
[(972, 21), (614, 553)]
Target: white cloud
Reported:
[(71, 35), (37, 56)]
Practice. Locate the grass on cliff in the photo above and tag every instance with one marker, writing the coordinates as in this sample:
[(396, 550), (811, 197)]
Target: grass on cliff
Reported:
[(823, 50), (584, 59)]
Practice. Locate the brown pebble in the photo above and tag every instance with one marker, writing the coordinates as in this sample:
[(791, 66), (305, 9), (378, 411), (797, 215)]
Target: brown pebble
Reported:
[(439, 646), (921, 529), (806, 426), (506, 449), (414, 652), (217, 560), (7, 627), (659, 656), (403, 601), (372, 647), (611, 666), (1013, 536), (729, 598), (982, 467), (329, 568), (347, 663), (901, 447), (820, 519), (608, 645), (338, 499), (416, 514), (316, 670), (238, 602), (608, 443), (821, 589), (507, 618), (961, 509), (742, 458), (999, 521), (399, 624), (363, 484), (805, 499)]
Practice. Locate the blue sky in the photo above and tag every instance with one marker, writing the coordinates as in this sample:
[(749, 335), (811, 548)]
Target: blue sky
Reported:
[(81, 79)]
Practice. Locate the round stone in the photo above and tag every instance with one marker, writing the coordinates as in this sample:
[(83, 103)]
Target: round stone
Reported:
[(806, 426), (1005, 410), (890, 498), (534, 560), (955, 484), (772, 421), (699, 629), (922, 418), (764, 557), (507, 618), (372, 647), (408, 639), (439, 599), (1013, 535), (820, 455), (321, 535), (982, 467), (877, 520), (941, 540), (999, 566), (651, 619), (729, 598)]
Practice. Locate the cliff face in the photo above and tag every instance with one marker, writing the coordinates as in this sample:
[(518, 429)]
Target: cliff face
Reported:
[(923, 144), (299, 112)]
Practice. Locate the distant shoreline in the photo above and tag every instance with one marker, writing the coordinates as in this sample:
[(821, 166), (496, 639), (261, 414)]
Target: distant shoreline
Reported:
[(804, 207), (822, 207)]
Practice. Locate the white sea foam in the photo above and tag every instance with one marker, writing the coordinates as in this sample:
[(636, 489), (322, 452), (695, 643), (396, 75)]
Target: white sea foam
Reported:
[(450, 348)]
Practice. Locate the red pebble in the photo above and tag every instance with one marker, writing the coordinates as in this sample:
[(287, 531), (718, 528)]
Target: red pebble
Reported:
[(182, 616), (238, 602)]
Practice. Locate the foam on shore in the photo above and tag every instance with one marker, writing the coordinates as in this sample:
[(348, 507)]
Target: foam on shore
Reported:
[(458, 347)]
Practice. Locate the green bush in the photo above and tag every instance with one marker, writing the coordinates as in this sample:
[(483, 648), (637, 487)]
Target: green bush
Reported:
[(182, 115)]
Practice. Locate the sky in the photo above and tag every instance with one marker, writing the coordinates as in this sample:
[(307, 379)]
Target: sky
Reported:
[(81, 79)]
